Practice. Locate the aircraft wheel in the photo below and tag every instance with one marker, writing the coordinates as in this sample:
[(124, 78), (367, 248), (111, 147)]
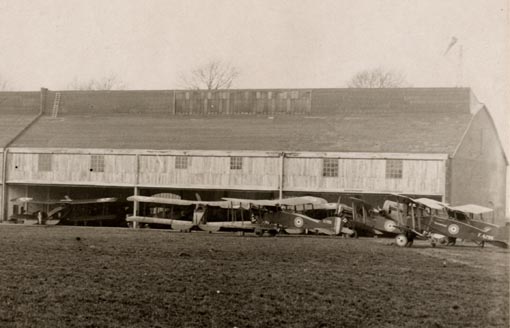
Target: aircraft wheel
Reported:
[(451, 241), (401, 240), (259, 232), (354, 234), (273, 233)]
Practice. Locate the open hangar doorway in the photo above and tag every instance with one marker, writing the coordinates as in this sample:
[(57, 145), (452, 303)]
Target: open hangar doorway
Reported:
[(78, 205)]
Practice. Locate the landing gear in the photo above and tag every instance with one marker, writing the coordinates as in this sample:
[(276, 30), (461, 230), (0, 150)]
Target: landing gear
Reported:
[(271, 232), (481, 244), (405, 240), (451, 241), (354, 234), (401, 240)]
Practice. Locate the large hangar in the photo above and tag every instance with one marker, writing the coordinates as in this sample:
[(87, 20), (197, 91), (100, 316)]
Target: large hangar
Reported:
[(434, 142)]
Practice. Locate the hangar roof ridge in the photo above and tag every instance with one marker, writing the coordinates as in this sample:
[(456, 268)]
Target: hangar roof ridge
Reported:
[(411, 120)]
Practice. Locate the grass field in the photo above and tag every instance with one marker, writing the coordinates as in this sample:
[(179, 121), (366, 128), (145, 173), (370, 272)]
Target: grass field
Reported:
[(109, 277)]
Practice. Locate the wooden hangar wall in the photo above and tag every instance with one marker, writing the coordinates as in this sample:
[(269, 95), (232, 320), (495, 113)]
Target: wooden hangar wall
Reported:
[(417, 174)]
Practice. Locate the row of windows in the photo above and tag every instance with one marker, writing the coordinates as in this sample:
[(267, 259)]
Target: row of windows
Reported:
[(183, 162), (97, 163), (329, 165), (393, 168), (45, 163)]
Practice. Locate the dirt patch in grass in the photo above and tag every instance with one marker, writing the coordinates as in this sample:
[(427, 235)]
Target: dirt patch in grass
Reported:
[(107, 277)]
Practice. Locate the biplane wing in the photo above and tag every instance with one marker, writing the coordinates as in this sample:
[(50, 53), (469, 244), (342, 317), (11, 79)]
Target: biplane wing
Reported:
[(62, 201), (370, 219), (367, 205), (471, 209), (291, 221), (183, 202), (434, 204), (297, 223), (491, 233), (181, 225), (57, 213), (452, 228), (293, 201), (199, 219)]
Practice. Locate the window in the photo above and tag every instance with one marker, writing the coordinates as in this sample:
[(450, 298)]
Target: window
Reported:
[(44, 162), (181, 162), (393, 169), (97, 163), (330, 167), (236, 163)]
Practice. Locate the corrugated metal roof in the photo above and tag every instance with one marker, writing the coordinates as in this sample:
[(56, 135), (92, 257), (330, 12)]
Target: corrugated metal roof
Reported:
[(359, 131)]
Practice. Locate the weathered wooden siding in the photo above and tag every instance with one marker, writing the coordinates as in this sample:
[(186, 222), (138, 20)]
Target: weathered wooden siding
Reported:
[(1, 167), (266, 102), (478, 168), (257, 173), (424, 177), (71, 169), (211, 170)]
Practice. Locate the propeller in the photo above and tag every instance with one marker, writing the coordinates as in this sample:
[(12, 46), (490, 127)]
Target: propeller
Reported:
[(338, 204)]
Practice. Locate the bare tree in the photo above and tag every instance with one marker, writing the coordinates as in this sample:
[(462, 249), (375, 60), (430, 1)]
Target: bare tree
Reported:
[(213, 75), (110, 82), (377, 78)]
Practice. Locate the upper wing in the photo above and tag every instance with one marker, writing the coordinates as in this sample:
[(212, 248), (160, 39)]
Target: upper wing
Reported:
[(403, 198), (88, 201), (434, 204), (183, 202), (248, 202), (293, 201), (368, 206), (304, 200), (471, 209), (63, 201)]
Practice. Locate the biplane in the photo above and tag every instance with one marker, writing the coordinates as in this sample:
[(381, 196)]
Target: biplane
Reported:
[(186, 215), (66, 211), (291, 215), (476, 215), (363, 218), (427, 219)]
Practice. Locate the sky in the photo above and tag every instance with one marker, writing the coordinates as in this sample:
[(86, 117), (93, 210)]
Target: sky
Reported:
[(274, 43)]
